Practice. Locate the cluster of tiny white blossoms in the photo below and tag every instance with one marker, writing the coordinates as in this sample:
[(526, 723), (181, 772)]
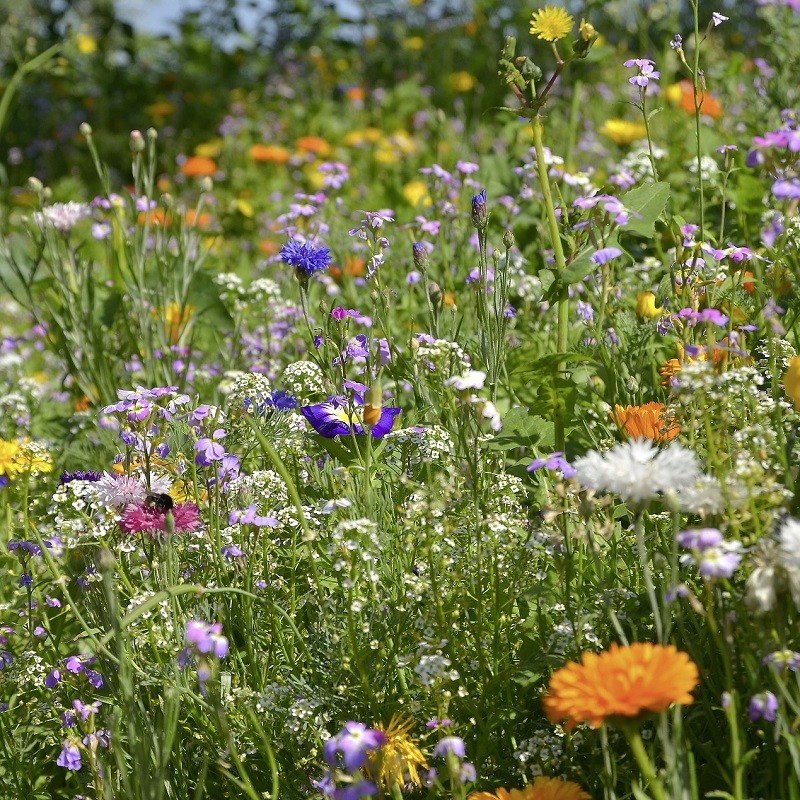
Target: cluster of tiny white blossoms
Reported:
[(303, 380), (441, 357)]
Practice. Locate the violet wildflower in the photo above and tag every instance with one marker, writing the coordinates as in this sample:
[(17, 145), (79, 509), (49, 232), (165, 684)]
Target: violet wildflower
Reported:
[(206, 639), (69, 757), (718, 19), (606, 254), (349, 748), (554, 462), (763, 706), (448, 745), (332, 418)]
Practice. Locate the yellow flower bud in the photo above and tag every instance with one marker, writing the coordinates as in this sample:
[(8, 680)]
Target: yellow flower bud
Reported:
[(791, 381), (646, 306), (587, 30)]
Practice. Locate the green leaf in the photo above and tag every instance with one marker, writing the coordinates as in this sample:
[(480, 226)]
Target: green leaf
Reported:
[(649, 203), (522, 429)]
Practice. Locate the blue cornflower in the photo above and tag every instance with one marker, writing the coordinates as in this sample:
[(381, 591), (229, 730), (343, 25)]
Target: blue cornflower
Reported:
[(305, 257)]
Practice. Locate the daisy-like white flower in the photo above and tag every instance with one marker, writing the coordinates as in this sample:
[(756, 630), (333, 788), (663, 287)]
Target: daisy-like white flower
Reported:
[(638, 471)]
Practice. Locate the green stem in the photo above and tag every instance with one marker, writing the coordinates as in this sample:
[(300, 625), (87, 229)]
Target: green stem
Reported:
[(641, 549), (562, 304), (645, 765)]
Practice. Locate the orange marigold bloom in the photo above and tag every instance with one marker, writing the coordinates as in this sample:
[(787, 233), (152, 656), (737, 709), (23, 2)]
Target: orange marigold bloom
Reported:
[(199, 167), (649, 421), (313, 144), (269, 153), (709, 105), (541, 789), (620, 683)]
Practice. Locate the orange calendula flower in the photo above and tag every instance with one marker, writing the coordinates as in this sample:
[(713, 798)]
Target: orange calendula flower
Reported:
[(682, 93), (649, 421), (199, 167), (620, 684), (551, 23), (269, 154), (541, 789), (313, 144), (791, 381)]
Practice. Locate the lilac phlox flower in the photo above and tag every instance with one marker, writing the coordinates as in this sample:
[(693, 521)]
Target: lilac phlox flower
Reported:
[(727, 148), (677, 42), (711, 316), (354, 790), (699, 538), (585, 311), (555, 462), (718, 19), (450, 745), (250, 516), (720, 561), (646, 74), (734, 253), (357, 347), (77, 664), (787, 188), (763, 705), (85, 710), (207, 638), (305, 257), (466, 167), (209, 450), (100, 738), (69, 757), (231, 551), (783, 659), (605, 254), (350, 747), (434, 723), (332, 418)]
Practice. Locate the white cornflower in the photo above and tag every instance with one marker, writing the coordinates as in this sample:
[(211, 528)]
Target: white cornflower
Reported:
[(702, 497), (772, 574), (789, 537), (62, 216), (638, 471)]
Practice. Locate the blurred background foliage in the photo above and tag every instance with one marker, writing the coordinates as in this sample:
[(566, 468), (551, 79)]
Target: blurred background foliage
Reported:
[(117, 76)]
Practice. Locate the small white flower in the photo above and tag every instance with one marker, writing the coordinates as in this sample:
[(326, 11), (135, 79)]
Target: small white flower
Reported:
[(471, 379)]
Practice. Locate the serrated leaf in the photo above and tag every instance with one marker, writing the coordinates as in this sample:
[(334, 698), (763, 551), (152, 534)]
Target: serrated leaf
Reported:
[(649, 203)]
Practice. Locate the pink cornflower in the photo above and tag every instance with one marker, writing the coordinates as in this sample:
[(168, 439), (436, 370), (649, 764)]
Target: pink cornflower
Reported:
[(140, 519)]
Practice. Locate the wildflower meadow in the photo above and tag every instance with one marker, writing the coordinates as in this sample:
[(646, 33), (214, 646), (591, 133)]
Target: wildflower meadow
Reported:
[(400, 399)]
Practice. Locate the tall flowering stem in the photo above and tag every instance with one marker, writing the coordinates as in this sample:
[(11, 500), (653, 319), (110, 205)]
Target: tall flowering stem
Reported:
[(562, 304)]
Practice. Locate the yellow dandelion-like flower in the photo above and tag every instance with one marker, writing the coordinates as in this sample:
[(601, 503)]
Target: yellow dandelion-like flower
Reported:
[(8, 464), (32, 457), (622, 132), (551, 23), (399, 760), (541, 789), (791, 381)]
